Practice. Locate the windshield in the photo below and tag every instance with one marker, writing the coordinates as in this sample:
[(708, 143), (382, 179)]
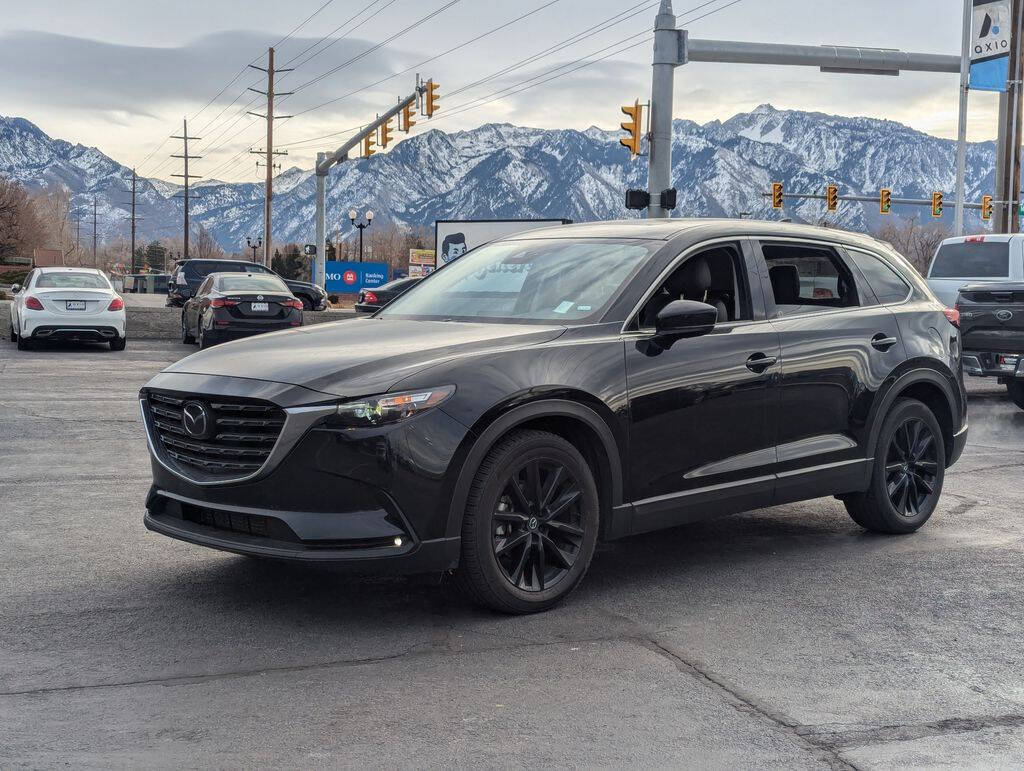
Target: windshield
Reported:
[(529, 280), (71, 281), (251, 283), (972, 259)]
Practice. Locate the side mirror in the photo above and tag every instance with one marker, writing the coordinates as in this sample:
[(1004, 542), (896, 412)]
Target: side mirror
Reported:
[(15, 288), (686, 318)]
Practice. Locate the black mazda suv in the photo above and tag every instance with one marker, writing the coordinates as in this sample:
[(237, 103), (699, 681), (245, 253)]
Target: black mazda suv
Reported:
[(564, 386)]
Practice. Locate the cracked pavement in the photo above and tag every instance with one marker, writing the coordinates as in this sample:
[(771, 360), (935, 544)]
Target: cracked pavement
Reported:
[(785, 637)]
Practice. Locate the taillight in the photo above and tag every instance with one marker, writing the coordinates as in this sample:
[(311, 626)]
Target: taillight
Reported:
[(220, 302), (292, 304), (33, 304), (117, 304), (953, 314), (369, 297)]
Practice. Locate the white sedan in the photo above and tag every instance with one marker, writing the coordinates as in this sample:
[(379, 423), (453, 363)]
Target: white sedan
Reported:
[(67, 304)]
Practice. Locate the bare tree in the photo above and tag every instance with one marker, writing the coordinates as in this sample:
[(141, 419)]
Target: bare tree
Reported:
[(204, 246), (20, 229), (54, 207), (915, 241)]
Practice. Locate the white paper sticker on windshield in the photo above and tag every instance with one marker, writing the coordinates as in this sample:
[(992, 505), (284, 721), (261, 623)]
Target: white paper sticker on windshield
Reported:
[(564, 307)]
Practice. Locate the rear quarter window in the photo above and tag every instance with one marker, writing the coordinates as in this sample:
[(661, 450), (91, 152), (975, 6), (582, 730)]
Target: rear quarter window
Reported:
[(972, 259), (886, 283)]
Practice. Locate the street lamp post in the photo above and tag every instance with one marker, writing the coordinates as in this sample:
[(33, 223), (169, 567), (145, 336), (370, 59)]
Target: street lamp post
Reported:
[(352, 214), (254, 245)]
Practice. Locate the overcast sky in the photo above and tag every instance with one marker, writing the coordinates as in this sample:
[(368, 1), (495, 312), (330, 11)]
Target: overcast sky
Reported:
[(121, 74)]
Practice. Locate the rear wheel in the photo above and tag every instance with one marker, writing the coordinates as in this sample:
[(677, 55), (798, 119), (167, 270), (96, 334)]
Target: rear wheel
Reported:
[(24, 343), (909, 469), (186, 336), (307, 304), (531, 524), (14, 335), (1016, 390), (119, 343), (204, 341)]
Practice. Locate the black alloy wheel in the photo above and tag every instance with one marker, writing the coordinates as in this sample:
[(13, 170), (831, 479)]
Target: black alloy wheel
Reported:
[(911, 467), (530, 525), (908, 470), (537, 526)]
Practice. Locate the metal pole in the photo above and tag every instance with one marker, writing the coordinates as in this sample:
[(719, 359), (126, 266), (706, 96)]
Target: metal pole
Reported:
[(267, 204), (184, 124), (1016, 72), (666, 58), (961, 138), (320, 269), (134, 180), (360, 241), (999, 217)]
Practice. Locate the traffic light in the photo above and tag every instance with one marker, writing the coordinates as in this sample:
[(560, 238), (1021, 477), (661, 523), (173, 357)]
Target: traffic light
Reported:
[(385, 133), (776, 195), (832, 197), (407, 121), (986, 207), (632, 129), (936, 205), (369, 142), (885, 200), (431, 100)]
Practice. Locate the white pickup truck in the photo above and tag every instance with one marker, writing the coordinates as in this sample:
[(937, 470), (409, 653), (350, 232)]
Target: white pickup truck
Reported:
[(975, 260)]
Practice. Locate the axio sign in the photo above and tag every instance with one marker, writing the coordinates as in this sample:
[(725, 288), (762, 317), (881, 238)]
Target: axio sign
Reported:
[(352, 277), (990, 45)]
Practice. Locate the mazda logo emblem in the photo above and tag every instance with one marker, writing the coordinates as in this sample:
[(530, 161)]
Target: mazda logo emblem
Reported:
[(1004, 315), (195, 418)]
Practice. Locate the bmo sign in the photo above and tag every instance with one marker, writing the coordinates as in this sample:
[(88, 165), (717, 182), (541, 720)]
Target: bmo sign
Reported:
[(351, 277)]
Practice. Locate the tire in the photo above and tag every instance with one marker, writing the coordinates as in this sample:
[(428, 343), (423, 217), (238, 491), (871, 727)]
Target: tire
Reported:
[(907, 473), (186, 338), (204, 341), (119, 343), (24, 343), (1016, 390), (13, 334), (507, 539), (307, 304)]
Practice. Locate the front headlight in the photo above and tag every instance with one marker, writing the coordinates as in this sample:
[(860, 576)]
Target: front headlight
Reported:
[(388, 408)]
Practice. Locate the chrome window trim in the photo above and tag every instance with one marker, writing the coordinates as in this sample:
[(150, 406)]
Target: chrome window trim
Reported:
[(297, 421)]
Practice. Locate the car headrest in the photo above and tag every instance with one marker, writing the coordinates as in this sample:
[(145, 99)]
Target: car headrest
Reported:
[(692, 281), (785, 284)]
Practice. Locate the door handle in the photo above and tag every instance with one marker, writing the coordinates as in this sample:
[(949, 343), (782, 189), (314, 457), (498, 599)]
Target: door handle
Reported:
[(883, 342), (759, 362)]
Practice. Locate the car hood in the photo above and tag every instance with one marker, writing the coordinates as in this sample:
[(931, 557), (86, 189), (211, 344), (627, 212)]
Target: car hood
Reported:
[(357, 357)]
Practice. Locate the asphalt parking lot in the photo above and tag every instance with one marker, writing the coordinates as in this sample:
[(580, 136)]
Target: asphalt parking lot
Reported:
[(783, 637)]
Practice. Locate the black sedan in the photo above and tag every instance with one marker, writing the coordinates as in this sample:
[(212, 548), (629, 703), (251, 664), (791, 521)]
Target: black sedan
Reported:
[(232, 305), (372, 300)]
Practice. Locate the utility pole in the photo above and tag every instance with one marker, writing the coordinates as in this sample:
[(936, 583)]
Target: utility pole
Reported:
[(134, 220), (667, 56), (186, 176), (94, 231), (1007, 192), (269, 149), (961, 139)]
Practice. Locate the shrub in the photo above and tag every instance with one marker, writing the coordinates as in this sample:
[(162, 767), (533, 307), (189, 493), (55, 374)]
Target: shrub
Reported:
[(15, 276)]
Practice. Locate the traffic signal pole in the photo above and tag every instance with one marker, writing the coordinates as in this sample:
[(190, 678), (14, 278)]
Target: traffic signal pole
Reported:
[(673, 48), (324, 162)]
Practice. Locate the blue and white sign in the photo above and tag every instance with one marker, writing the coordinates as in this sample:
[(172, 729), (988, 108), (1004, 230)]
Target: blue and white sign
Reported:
[(352, 277), (990, 45)]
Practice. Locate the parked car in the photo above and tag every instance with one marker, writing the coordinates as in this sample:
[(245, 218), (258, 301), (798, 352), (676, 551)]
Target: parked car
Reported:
[(372, 300), (233, 305), (975, 260), (77, 304), (189, 274), (566, 385), (992, 327)]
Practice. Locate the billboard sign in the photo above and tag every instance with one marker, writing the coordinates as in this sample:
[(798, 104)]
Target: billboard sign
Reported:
[(355, 276), (453, 238), (990, 45), (421, 262)]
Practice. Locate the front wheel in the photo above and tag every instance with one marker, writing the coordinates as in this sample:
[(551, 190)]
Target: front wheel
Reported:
[(1016, 390), (531, 524), (907, 475)]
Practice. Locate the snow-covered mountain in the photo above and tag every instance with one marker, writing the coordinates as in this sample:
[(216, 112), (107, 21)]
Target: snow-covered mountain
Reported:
[(505, 171)]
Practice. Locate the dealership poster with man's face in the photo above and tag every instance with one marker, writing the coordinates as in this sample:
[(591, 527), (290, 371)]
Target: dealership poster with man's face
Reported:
[(456, 237)]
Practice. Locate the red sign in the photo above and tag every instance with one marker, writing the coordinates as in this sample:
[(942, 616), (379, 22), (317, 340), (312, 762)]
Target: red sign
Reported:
[(349, 277)]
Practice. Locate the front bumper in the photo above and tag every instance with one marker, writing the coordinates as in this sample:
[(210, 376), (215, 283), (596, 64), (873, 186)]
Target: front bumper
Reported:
[(325, 495)]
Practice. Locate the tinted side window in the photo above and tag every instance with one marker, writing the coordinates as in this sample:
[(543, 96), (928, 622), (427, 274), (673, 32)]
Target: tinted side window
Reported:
[(716, 276), (972, 259), (886, 283), (806, 279)]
